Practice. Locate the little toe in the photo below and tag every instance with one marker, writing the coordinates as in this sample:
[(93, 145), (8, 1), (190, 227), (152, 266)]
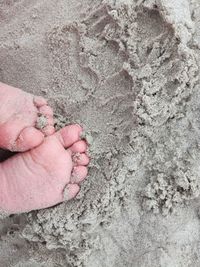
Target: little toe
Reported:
[(70, 191), (39, 101), (79, 173), (80, 159), (79, 147), (28, 139), (69, 135)]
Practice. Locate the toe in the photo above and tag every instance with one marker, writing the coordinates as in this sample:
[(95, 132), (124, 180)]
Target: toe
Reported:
[(46, 110), (71, 191), (69, 135), (39, 101), (80, 159), (46, 113), (28, 139), (79, 147), (79, 173), (48, 130)]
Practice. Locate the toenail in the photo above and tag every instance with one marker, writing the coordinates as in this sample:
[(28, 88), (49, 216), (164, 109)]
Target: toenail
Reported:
[(48, 130), (80, 129), (76, 157), (46, 110), (39, 101), (75, 177)]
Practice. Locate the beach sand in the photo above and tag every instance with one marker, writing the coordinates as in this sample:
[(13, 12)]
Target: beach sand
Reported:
[(128, 71)]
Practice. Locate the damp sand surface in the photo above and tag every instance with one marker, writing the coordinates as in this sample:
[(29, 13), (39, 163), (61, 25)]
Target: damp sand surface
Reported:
[(128, 71)]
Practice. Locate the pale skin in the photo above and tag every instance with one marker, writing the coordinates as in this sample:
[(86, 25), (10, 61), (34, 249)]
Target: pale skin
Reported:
[(50, 166)]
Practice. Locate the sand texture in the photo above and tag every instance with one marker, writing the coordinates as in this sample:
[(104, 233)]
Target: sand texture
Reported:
[(128, 71)]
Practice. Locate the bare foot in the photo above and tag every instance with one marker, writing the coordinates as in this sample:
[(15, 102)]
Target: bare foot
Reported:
[(24, 119), (38, 178)]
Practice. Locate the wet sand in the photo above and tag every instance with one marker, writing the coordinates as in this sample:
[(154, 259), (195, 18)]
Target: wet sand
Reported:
[(128, 71)]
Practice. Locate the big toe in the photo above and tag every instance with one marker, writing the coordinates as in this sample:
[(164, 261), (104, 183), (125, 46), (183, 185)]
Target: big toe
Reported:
[(28, 139), (69, 135)]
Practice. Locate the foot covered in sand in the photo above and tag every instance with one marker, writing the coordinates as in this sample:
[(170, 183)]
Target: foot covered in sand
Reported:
[(24, 119), (46, 175)]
